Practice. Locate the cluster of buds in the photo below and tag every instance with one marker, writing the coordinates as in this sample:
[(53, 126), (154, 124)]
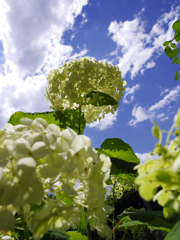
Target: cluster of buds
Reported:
[(163, 172)]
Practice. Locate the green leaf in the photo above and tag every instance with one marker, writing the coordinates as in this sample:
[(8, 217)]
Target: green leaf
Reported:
[(116, 148), (82, 225), (99, 99), (156, 132), (177, 36), (175, 52), (131, 224), (55, 234), (64, 199), (178, 61), (152, 228), (171, 53), (68, 118), (76, 236), (123, 166), (35, 207), (122, 169), (176, 76), (173, 45), (174, 234), (175, 59), (154, 218), (176, 25), (168, 51), (166, 43)]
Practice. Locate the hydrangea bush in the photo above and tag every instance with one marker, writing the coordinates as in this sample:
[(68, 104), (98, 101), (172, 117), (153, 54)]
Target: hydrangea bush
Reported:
[(38, 158)]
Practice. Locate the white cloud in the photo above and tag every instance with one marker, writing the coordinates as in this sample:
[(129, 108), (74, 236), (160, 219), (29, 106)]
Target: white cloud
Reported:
[(141, 114), (31, 37), (162, 117), (19, 95), (106, 122), (136, 46), (84, 20), (171, 96), (162, 92), (145, 157), (129, 93), (150, 64)]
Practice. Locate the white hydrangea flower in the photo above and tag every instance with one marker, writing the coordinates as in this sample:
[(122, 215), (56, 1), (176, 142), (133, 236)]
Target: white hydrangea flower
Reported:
[(37, 158)]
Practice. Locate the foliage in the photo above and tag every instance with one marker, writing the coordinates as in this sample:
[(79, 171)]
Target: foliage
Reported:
[(174, 233), (76, 236), (67, 118), (171, 48), (152, 218)]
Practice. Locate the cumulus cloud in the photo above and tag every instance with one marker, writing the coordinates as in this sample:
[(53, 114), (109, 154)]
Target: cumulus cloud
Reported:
[(20, 95), (171, 96), (30, 32), (138, 47), (106, 122), (128, 96), (32, 41), (145, 157), (141, 114)]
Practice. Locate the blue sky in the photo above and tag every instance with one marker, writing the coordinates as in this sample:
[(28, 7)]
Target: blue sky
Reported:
[(37, 36)]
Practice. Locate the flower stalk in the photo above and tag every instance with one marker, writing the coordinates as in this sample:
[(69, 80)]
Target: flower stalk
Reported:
[(24, 224)]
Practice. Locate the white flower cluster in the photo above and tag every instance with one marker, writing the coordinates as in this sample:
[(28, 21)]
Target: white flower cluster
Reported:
[(68, 85), (119, 186), (37, 158)]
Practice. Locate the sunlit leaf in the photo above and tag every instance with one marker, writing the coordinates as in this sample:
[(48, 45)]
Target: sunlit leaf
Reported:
[(82, 225), (116, 148), (176, 25), (174, 234), (166, 43), (76, 236), (64, 199), (67, 118), (173, 45)]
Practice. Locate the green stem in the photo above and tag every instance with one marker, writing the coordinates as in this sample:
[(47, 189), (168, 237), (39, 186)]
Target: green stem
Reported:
[(88, 227), (169, 134), (85, 209), (120, 221), (26, 233), (79, 132), (114, 235)]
